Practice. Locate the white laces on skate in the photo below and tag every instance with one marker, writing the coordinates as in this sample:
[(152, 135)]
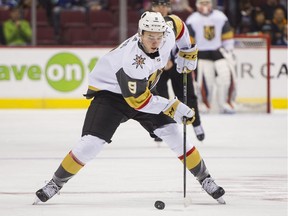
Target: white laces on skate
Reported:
[(51, 189), (209, 185)]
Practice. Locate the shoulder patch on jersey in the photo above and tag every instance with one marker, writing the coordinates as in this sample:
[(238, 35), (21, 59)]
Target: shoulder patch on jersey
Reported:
[(139, 61)]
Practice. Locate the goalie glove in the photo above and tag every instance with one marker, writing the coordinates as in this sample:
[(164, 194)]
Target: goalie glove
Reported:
[(187, 59), (228, 55), (178, 111)]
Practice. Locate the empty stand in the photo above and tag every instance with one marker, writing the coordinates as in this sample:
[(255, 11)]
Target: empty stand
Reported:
[(4, 15), (42, 19), (133, 17), (70, 18), (183, 15), (113, 5), (45, 36), (106, 36), (100, 19), (78, 36)]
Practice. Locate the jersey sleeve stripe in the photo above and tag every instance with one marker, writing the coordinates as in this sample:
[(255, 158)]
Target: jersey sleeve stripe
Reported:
[(93, 88), (178, 26), (140, 101), (227, 35), (146, 102), (192, 34), (192, 40), (181, 32), (227, 32)]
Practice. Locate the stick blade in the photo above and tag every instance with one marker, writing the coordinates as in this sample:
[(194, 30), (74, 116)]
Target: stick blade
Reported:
[(187, 201), (221, 201)]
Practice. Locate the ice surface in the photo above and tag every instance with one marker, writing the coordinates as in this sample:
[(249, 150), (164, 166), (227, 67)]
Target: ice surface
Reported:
[(246, 154)]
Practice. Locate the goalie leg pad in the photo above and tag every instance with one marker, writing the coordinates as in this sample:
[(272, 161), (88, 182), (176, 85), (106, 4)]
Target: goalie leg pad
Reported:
[(223, 82), (87, 148), (223, 72), (206, 78), (232, 63)]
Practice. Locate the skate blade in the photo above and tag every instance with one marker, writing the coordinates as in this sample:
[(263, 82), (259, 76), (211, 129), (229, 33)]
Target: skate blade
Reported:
[(221, 201), (36, 201)]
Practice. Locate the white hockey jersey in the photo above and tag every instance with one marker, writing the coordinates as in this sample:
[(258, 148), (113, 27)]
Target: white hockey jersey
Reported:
[(129, 71), (210, 32)]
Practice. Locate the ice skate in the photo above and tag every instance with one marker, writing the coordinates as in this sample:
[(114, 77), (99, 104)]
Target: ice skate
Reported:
[(48, 191), (229, 108), (199, 132), (203, 108), (213, 190)]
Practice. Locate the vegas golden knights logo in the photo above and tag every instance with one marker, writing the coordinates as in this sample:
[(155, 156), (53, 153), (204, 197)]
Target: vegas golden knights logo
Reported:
[(209, 32), (171, 112)]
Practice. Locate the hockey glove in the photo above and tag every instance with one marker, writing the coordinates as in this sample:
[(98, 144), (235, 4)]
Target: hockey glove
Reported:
[(178, 111), (228, 55), (187, 59)]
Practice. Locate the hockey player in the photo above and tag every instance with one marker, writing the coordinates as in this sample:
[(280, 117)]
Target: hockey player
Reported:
[(170, 72), (210, 29), (120, 86)]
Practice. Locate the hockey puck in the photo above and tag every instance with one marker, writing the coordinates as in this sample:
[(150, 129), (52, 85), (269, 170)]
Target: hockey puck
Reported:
[(159, 205)]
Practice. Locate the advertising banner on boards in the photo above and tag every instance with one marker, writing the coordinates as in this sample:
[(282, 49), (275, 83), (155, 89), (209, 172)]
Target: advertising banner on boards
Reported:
[(52, 77)]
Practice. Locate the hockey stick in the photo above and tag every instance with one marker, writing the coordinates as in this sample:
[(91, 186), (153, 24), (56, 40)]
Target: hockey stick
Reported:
[(184, 135)]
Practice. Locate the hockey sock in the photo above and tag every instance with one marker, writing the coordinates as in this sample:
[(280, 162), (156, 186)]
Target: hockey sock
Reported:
[(193, 158), (67, 169), (195, 164)]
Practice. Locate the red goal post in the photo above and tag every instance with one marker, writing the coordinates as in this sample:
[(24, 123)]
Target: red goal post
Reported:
[(255, 51)]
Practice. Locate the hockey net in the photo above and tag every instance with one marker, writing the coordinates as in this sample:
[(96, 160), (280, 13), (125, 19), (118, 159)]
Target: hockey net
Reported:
[(252, 73)]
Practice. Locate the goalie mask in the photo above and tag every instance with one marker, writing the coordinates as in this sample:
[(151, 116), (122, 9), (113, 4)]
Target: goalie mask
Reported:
[(152, 22), (204, 6)]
